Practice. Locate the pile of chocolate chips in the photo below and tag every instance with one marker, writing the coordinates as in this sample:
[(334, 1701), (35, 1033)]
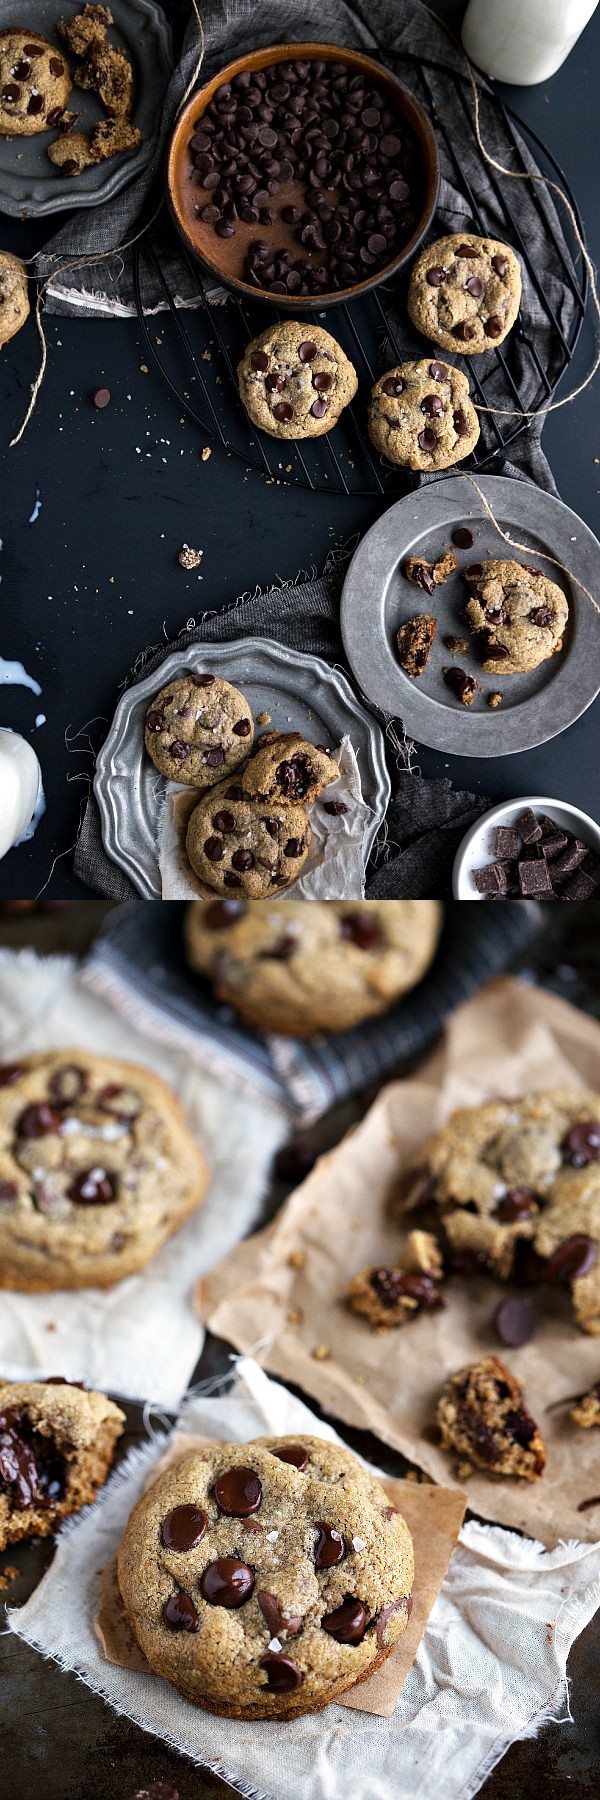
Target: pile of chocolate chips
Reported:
[(317, 126), (537, 860)]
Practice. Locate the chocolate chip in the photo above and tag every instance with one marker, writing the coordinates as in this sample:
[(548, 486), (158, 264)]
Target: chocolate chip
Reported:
[(38, 1121), (183, 1528), (574, 1258), (518, 1203), (242, 728), (274, 383), (461, 423), (393, 386), (427, 439), (436, 276), (101, 398), (214, 849), (294, 1454), (278, 1625), (8, 1192), (335, 807), (222, 914), (500, 264), (433, 406), (124, 1102), (322, 381), (542, 616), (463, 331), (232, 880), (438, 371), (202, 680), (282, 1674), (154, 721), (463, 537), (11, 93), (179, 1612), (348, 1623), (68, 1083), (360, 929), (583, 1142), (212, 758), (319, 408), (238, 1492), (227, 1582), (515, 1320), (468, 250), (493, 327), (475, 286), (293, 848), (330, 1546), (10, 1073), (93, 1187), (462, 685), (283, 412), (243, 859)]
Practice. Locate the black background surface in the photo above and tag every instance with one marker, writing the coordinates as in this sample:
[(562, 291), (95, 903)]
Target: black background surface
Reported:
[(96, 577)]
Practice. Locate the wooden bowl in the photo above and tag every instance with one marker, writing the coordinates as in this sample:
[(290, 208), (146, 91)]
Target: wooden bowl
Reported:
[(224, 257)]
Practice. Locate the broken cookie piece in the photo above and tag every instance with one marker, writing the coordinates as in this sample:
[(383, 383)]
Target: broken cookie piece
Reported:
[(109, 74), (56, 1447), (481, 1415), (586, 1411), (462, 685), (444, 568), (387, 1296), (112, 137), (422, 1255), (72, 153), (414, 641), (429, 575), (86, 30), (494, 699)]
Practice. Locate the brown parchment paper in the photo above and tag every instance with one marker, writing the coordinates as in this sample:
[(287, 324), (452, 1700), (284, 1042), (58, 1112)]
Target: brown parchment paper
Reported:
[(434, 1516), (509, 1038)]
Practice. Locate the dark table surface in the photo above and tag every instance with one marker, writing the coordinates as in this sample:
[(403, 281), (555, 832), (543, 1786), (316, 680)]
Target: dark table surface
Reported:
[(60, 1742), (95, 579)]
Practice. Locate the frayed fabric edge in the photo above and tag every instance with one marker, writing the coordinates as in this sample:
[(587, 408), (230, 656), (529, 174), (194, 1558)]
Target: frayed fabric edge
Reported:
[(548, 1715)]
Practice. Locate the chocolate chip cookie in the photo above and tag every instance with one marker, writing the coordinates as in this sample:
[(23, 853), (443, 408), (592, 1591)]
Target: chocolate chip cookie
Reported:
[(286, 767), (236, 843), (97, 1168), (35, 83), (524, 1169), (421, 416), (198, 729), (481, 1414), (295, 380), (264, 1579), (56, 1447), (14, 296), (518, 615), (306, 967), (465, 292)]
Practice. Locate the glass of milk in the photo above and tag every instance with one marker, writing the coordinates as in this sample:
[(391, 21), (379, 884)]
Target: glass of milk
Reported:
[(523, 41), (21, 791)]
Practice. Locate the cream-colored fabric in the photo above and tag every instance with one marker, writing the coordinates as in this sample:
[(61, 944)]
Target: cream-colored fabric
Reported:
[(490, 1667), (141, 1337)]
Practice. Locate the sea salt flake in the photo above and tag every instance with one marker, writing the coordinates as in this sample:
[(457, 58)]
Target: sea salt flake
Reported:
[(358, 1543)]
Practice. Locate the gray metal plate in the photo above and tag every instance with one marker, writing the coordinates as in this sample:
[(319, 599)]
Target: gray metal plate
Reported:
[(299, 692), (30, 186), (377, 598)]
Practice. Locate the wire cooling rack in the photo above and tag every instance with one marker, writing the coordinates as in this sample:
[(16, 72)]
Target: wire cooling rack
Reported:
[(197, 349)]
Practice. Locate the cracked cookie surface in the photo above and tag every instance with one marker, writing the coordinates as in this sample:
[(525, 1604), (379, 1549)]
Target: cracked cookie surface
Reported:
[(295, 380), (264, 1579), (421, 416), (465, 292), (198, 729), (56, 1445), (98, 1167), (236, 843), (35, 83), (303, 968), (517, 613)]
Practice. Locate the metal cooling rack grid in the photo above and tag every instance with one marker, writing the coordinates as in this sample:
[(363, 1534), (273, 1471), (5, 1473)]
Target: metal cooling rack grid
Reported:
[(199, 348)]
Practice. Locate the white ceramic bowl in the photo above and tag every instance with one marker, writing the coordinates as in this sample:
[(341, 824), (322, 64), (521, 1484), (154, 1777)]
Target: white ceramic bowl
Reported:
[(477, 846)]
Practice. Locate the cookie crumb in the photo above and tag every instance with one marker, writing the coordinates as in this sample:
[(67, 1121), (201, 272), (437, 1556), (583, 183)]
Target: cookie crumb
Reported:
[(444, 568), (321, 1353), (494, 699), (295, 1315), (188, 558), (205, 453), (456, 645), (263, 718), (297, 1259)]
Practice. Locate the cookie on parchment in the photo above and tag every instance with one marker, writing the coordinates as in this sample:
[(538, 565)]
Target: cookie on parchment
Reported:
[(265, 1579), (295, 380), (465, 292), (237, 844), (421, 416), (98, 1167)]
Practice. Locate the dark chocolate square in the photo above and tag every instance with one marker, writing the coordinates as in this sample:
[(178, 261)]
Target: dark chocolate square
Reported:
[(580, 887), (534, 880), (506, 842), (569, 859), (529, 827), (490, 879)]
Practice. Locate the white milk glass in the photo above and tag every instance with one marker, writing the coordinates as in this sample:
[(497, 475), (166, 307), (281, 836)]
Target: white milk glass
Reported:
[(20, 788), (523, 41)]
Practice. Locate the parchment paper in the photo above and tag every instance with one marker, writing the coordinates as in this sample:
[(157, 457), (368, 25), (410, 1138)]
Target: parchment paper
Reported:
[(334, 868), (510, 1038), (433, 1515)]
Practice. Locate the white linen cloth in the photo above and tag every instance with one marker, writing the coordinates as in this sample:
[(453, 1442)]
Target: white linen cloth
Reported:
[(490, 1667), (140, 1338)]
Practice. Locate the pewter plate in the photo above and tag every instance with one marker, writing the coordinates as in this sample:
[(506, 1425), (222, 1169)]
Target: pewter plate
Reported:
[(29, 184), (377, 598), (299, 692)]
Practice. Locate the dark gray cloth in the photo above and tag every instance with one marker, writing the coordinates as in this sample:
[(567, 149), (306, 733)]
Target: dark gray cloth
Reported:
[(426, 819)]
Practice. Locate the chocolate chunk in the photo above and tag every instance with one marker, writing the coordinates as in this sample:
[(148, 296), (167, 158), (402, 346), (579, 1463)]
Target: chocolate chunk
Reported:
[(221, 914), (529, 827), (580, 887), (427, 439), (238, 1492), (436, 276), (572, 1259), (583, 1142), (278, 1625), (534, 880), (294, 1160), (493, 326), (515, 1320), (38, 1121), (518, 1203), (124, 1102), (490, 879), (294, 1454), (93, 1187), (463, 537), (438, 371), (227, 1582), (421, 574), (569, 859), (330, 1546), (179, 1612), (360, 929), (32, 1472), (183, 1528), (461, 684), (282, 1674), (348, 1623), (10, 1074), (506, 842)]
